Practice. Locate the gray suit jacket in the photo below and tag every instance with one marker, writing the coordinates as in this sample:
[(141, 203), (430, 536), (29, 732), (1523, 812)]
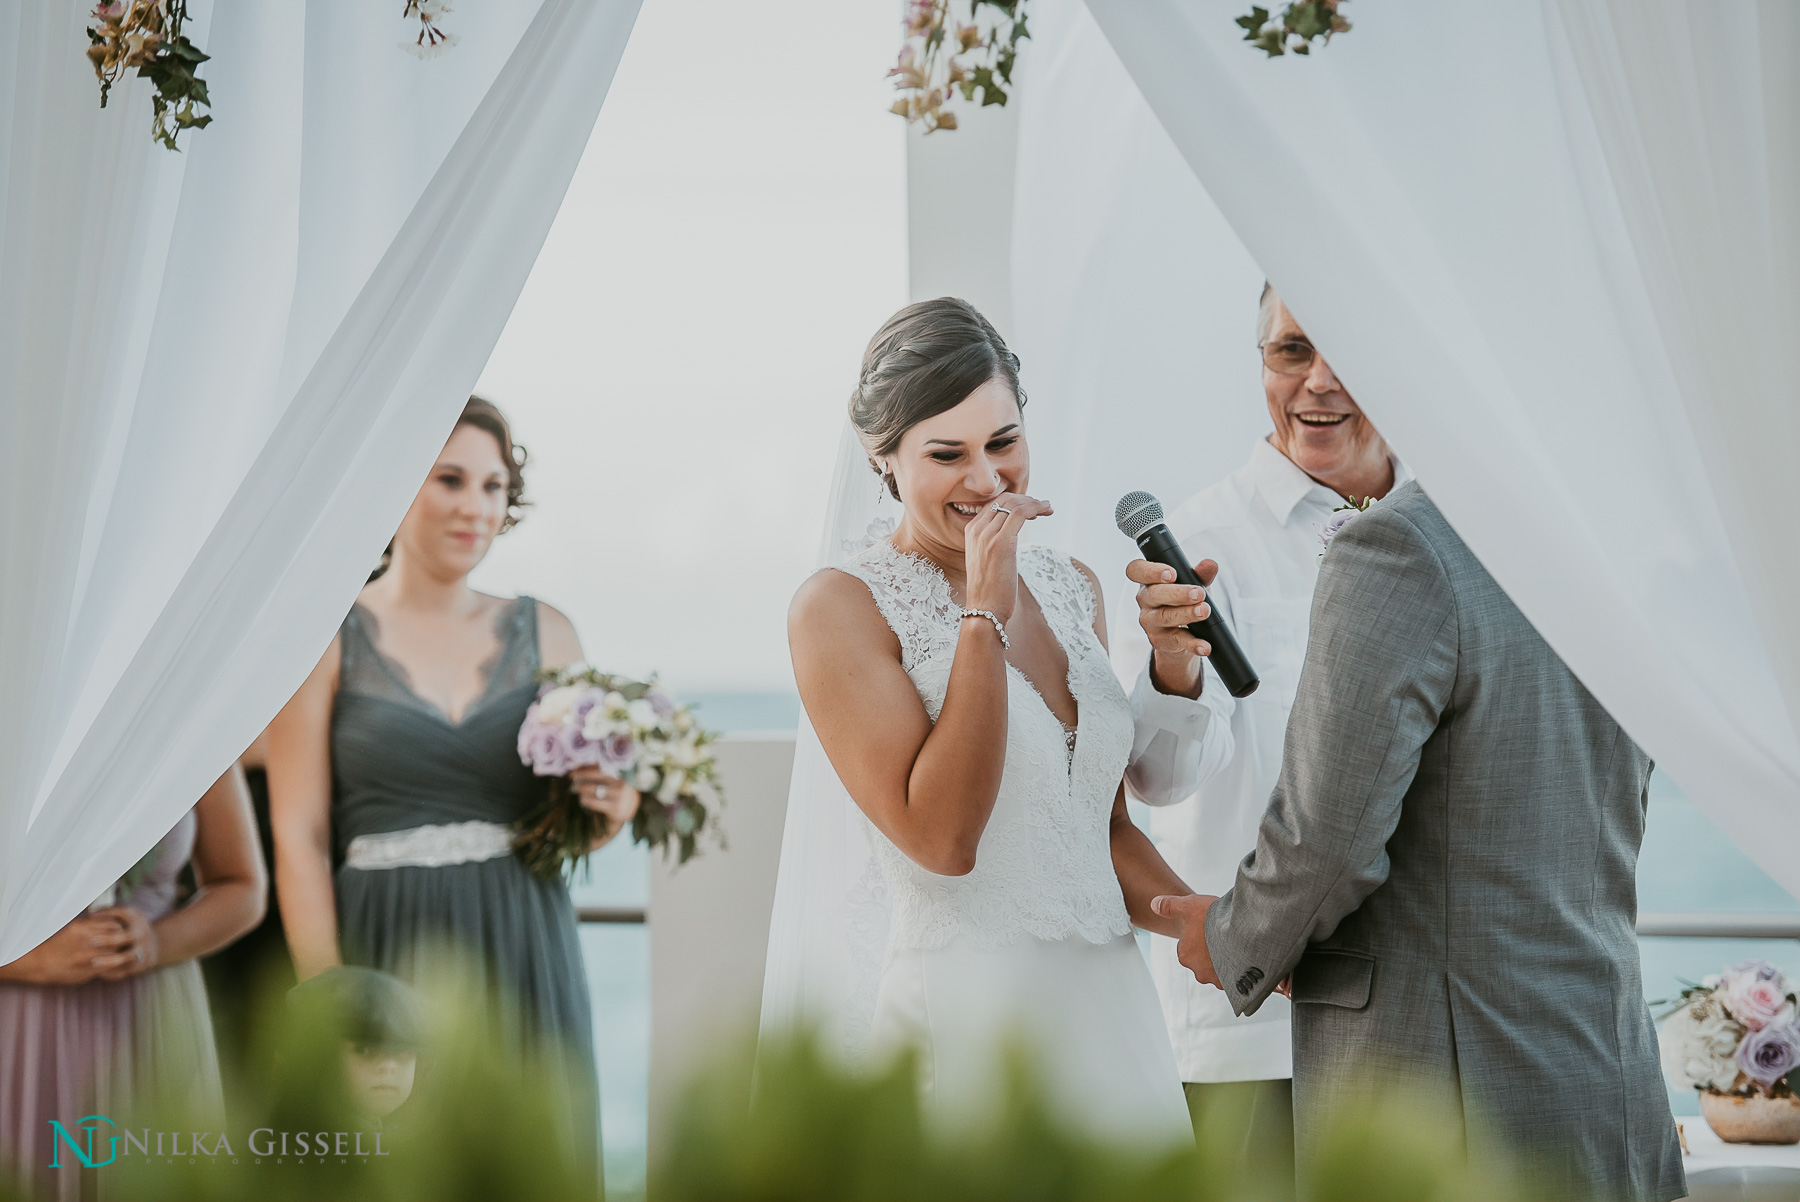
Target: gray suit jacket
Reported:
[(1447, 869)]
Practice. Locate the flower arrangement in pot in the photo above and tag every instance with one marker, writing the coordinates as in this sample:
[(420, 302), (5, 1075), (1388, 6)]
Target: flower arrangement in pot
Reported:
[(1736, 1039)]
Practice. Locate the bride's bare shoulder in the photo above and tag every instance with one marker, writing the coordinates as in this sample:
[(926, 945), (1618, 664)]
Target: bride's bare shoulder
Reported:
[(834, 607)]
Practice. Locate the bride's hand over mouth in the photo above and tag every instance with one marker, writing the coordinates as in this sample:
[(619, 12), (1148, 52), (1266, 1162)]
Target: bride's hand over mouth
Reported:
[(991, 552)]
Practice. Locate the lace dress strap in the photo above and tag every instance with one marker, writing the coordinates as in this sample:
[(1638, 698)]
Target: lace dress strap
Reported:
[(913, 597), (1063, 591)]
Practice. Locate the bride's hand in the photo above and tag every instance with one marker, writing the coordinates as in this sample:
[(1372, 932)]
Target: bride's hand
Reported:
[(991, 552), (607, 796)]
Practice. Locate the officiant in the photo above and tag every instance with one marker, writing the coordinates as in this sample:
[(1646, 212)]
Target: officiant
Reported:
[(1262, 524)]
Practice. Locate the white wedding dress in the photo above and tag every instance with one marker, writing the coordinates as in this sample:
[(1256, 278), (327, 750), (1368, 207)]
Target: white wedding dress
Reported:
[(1033, 948)]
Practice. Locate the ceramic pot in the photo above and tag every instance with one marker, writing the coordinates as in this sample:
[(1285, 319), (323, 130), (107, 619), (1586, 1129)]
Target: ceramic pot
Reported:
[(1752, 1120)]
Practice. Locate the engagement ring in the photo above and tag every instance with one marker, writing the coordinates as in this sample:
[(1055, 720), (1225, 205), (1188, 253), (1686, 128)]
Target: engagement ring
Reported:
[(1002, 509)]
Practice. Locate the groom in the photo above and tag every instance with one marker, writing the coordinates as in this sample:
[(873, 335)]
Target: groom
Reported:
[(1446, 872)]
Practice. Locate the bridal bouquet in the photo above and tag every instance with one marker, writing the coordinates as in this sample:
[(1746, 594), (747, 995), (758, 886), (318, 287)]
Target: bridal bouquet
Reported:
[(1735, 1033), (629, 729)]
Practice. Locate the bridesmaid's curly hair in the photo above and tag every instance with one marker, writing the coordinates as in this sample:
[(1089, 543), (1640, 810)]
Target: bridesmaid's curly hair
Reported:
[(483, 414), (924, 361)]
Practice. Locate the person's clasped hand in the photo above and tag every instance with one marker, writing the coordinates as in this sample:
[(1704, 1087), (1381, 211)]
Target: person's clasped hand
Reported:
[(126, 943), (1190, 911), (1165, 608)]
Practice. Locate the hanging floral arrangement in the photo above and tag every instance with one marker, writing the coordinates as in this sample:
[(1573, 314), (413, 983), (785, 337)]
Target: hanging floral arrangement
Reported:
[(1294, 30), (146, 34), (943, 56), (432, 40)]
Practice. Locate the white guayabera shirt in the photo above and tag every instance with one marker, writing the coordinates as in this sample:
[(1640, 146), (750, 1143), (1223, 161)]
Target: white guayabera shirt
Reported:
[(1261, 524)]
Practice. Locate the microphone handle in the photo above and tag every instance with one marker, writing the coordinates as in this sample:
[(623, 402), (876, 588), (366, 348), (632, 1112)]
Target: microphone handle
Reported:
[(1228, 660)]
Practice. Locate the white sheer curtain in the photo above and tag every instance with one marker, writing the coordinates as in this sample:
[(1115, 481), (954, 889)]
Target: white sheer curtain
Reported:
[(223, 374), (1552, 249)]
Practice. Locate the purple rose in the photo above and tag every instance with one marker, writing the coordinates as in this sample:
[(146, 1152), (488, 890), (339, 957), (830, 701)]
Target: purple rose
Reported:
[(578, 751), (1766, 1056), (616, 753), (542, 747), (661, 702)]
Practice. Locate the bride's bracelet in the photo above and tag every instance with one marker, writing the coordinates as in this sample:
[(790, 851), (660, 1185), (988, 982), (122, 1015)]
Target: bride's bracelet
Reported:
[(1005, 643)]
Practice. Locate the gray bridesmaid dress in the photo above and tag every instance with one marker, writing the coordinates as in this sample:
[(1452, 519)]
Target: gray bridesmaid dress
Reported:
[(419, 816)]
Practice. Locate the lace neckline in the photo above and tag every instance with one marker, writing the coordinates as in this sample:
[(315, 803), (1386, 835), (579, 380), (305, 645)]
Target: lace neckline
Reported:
[(930, 567), (507, 629)]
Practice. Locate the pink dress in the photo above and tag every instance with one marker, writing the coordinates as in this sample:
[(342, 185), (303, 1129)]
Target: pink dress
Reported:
[(72, 1050)]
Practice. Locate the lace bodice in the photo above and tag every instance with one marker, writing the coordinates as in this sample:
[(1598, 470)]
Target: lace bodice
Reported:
[(1044, 864)]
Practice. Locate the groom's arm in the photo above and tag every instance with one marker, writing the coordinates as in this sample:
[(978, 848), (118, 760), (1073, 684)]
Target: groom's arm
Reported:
[(1380, 666)]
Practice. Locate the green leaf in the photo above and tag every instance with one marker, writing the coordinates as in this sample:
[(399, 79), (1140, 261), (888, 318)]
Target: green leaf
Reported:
[(1309, 19), (1253, 23)]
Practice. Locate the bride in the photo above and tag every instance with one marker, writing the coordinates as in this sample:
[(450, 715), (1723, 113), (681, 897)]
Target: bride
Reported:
[(959, 685)]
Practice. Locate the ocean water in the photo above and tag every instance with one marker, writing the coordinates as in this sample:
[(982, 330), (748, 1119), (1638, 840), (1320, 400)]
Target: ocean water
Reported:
[(1687, 864)]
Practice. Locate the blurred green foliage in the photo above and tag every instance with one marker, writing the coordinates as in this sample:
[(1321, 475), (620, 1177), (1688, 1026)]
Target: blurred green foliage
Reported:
[(814, 1130), (479, 1126), (482, 1126)]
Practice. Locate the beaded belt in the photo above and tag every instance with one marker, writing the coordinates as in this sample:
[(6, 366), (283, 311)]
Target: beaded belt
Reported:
[(430, 846)]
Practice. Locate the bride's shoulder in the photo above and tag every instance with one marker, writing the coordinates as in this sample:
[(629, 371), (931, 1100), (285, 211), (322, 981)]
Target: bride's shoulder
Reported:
[(833, 608)]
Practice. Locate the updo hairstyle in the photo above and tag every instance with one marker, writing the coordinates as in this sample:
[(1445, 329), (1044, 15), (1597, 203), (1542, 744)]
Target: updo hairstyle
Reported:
[(925, 361)]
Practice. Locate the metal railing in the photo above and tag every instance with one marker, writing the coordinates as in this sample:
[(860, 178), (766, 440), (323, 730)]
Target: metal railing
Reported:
[(614, 914), (1720, 926), (1657, 923)]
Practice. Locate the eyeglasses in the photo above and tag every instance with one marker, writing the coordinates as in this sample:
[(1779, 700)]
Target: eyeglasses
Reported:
[(1289, 357)]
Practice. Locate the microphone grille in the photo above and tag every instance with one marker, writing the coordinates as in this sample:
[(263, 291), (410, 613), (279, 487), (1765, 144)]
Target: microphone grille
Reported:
[(1136, 513)]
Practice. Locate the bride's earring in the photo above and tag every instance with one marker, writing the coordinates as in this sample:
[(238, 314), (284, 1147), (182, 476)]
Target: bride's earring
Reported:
[(881, 485)]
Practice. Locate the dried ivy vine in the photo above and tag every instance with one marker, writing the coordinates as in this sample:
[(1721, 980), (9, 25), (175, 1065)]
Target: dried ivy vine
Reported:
[(146, 35), (967, 48)]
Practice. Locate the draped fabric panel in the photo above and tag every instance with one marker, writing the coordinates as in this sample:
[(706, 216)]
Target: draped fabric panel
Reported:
[(1551, 249), (225, 373), (1135, 304)]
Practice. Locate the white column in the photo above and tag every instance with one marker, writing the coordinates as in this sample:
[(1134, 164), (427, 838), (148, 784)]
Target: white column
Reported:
[(709, 932), (959, 204)]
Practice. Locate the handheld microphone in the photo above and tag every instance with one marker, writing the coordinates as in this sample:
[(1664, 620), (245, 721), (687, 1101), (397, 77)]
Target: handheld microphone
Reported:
[(1140, 518)]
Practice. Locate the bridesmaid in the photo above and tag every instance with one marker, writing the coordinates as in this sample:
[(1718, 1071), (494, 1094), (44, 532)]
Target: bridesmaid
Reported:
[(109, 1013), (394, 774)]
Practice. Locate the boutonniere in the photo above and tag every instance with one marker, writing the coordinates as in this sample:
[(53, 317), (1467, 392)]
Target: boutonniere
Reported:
[(1340, 517)]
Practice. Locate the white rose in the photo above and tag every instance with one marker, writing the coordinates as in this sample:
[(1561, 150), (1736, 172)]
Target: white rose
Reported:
[(614, 700), (600, 724), (672, 783), (642, 714), (684, 721), (646, 780), (554, 707), (1699, 1046)]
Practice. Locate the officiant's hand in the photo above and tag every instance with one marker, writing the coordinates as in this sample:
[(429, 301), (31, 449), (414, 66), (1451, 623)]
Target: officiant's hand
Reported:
[(991, 552), (607, 796), (1164, 610), (1190, 911)]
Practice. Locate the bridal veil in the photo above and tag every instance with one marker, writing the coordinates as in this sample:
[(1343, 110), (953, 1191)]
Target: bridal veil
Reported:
[(828, 930)]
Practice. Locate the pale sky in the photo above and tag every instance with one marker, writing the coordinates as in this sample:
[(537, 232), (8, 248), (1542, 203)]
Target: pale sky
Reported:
[(679, 362)]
